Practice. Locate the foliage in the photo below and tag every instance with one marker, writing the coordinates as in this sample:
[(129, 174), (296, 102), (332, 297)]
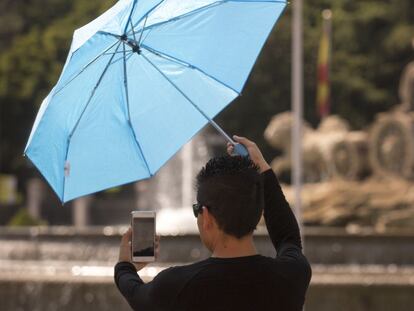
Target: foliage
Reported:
[(371, 45), (32, 64), (23, 218)]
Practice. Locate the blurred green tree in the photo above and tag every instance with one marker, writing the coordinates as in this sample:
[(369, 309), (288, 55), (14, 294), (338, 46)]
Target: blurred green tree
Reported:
[(32, 54)]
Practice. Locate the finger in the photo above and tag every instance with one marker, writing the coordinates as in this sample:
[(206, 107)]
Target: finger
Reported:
[(230, 150), (157, 246), (127, 236), (124, 238), (242, 140)]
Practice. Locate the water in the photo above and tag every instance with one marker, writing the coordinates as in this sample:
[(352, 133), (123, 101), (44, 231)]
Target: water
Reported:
[(172, 186), (171, 191)]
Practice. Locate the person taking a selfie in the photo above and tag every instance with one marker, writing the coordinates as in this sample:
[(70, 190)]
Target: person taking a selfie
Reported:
[(232, 194)]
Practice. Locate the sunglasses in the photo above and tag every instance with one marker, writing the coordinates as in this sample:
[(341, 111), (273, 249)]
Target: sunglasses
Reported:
[(198, 209)]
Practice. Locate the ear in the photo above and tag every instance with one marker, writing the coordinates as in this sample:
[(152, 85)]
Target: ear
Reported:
[(208, 219)]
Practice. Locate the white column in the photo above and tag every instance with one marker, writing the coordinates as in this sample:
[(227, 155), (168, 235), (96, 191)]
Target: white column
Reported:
[(81, 211), (187, 159), (35, 196)]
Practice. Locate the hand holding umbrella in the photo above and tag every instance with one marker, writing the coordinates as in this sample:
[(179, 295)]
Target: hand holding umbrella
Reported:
[(253, 151)]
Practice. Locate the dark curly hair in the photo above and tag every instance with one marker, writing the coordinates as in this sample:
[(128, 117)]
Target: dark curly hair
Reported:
[(231, 188)]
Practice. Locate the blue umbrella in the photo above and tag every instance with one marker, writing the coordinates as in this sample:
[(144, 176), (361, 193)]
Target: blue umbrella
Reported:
[(138, 83)]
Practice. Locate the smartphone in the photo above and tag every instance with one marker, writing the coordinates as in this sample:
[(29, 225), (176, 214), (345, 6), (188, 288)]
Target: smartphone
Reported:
[(143, 236)]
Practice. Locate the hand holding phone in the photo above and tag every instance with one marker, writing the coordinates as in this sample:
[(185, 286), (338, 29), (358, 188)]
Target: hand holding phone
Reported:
[(143, 236), (126, 248)]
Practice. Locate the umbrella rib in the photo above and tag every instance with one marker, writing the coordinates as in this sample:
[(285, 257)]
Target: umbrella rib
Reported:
[(94, 90), (82, 113), (109, 34), (212, 122), (142, 31), (129, 113), (85, 67), (130, 14), (120, 52), (133, 30), (146, 14), (183, 15), (200, 9), (186, 64)]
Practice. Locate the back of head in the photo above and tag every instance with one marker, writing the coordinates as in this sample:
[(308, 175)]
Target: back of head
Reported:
[(231, 188)]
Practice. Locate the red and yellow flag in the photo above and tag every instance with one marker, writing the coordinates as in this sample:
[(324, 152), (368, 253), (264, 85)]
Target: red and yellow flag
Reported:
[(323, 91)]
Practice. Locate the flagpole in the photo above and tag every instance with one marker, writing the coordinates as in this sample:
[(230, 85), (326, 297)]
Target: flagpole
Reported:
[(323, 97), (297, 107), (327, 16)]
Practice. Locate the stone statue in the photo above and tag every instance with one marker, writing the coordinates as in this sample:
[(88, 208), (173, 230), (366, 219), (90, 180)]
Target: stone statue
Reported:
[(326, 150), (392, 134), (406, 89), (354, 178), (392, 144)]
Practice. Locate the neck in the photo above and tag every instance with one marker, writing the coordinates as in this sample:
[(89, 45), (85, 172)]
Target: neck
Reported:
[(228, 246)]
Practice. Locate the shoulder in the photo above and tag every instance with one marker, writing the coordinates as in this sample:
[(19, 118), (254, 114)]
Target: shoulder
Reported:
[(168, 284), (293, 267), (173, 275)]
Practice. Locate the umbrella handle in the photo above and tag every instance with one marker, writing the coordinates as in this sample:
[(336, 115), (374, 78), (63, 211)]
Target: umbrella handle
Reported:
[(241, 150)]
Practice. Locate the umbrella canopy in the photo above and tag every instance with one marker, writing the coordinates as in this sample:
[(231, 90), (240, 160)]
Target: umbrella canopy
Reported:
[(138, 83)]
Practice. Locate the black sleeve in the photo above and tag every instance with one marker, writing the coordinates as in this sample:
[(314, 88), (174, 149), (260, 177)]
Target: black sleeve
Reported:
[(143, 296), (280, 221), (135, 291), (284, 232), (159, 294)]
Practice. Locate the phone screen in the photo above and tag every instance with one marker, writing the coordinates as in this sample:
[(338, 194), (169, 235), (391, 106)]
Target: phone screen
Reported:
[(143, 239)]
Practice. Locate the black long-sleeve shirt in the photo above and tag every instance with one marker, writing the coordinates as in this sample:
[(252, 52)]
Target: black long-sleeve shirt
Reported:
[(242, 283)]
